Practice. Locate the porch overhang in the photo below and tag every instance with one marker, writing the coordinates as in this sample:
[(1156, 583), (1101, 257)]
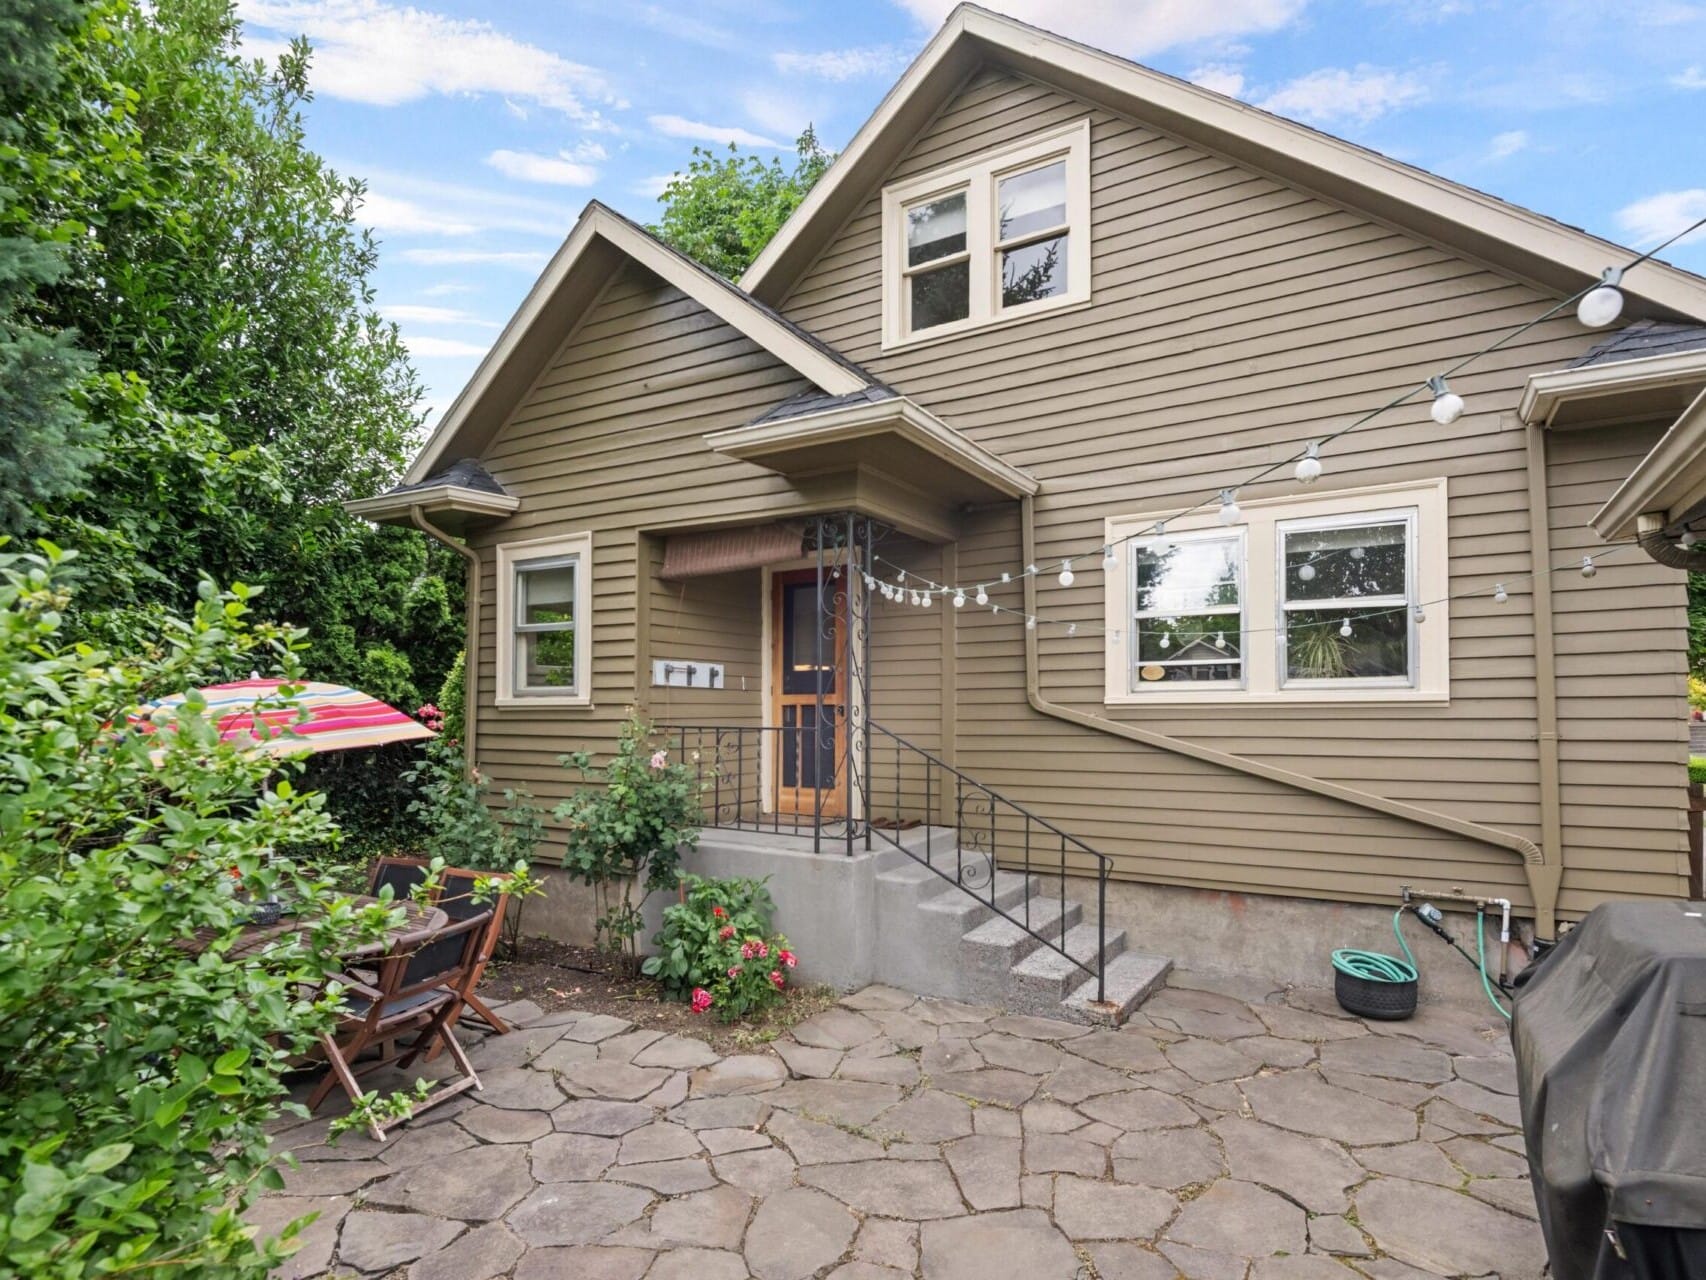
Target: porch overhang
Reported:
[(1668, 485), (1618, 391), (461, 496), (889, 442)]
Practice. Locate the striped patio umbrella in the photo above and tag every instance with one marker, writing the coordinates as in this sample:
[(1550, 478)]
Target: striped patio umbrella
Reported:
[(338, 718)]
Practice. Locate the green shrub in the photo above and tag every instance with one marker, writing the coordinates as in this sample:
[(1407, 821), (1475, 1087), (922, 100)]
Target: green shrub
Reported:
[(1697, 768), (453, 699), (695, 947), (138, 1075), (626, 829)]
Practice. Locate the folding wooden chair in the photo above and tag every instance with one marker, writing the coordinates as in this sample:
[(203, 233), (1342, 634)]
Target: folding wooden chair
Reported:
[(456, 900), (402, 874), (419, 988)]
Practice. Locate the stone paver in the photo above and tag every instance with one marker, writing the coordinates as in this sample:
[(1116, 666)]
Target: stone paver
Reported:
[(1227, 1131)]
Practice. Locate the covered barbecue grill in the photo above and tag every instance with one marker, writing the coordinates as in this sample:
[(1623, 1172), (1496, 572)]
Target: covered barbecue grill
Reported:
[(1610, 1036)]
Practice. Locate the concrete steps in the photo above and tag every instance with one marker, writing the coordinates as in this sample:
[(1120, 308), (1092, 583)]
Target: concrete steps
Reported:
[(940, 938)]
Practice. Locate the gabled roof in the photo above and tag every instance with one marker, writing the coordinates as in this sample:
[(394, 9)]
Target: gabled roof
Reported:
[(601, 241), (1643, 339), (1558, 258)]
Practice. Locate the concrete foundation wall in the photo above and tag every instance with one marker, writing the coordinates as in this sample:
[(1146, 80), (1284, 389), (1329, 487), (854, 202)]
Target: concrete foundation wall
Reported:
[(828, 906)]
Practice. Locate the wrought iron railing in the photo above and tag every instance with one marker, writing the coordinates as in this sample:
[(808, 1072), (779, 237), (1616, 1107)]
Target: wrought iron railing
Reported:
[(849, 794)]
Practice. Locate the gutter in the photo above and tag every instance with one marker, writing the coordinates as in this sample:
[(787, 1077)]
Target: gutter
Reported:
[(1535, 865), (1650, 534), (471, 640)]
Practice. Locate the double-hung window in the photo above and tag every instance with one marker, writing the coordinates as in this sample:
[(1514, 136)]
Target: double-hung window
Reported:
[(544, 622), (1333, 597), (1188, 614), (1000, 237)]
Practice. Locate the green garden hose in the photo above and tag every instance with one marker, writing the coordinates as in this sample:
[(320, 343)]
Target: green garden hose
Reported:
[(1375, 966), (1481, 950)]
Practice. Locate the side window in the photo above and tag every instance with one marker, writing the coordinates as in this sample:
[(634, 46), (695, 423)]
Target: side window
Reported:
[(544, 621), (1345, 602), (1187, 621)]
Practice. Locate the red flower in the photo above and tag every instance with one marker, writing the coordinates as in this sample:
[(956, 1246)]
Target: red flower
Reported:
[(734, 972), (776, 979), (787, 957), (718, 912), (701, 999), (726, 932), (763, 950)]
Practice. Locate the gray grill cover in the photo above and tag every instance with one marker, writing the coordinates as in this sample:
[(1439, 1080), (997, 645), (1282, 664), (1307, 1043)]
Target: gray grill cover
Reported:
[(1610, 1037)]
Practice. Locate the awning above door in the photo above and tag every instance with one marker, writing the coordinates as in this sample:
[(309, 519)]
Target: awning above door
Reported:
[(699, 555), (877, 434)]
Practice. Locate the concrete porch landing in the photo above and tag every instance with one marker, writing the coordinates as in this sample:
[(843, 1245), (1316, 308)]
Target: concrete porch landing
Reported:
[(885, 915), (1241, 1134)]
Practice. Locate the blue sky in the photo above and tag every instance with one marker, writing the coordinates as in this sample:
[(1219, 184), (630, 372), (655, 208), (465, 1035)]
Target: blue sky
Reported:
[(483, 128)]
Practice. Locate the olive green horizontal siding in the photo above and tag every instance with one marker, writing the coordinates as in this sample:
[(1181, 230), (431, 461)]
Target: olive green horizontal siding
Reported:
[(1232, 319)]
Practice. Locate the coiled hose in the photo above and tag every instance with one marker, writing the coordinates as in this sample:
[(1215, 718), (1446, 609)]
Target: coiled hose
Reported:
[(1375, 966)]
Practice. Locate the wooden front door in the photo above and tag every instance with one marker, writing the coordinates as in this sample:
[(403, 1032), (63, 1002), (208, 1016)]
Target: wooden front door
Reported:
[(808, 652)]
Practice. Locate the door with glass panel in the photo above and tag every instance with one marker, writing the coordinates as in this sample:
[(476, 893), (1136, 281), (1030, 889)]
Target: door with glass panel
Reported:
[(808, 673)]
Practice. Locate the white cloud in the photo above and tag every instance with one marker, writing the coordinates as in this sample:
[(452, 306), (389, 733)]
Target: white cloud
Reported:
[(1657, 218), (404, 217), (1691, 78), (865, 62), (1507, 144), (376, 52), (530, 166), (1335, 93), (1221, 77), (418, 313), (782, 114), (518, 258), (446, 289), (482, 209), (440, 347), (1135, 27), (699, 131), (653, 186)]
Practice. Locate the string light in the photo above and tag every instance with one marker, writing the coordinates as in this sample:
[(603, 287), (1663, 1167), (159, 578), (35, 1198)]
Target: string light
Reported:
[(1005, 576), (1072, 628), (1448, 405), (959, 599), (1110, 560), (1166, 640), (1309, 465), (982, 595), (927, 599), (1420, 614), (1160, 544), (1030, 622), (1588, 567), (1306, 572), (1345, 628), (1229, 512), (1220, 639), (1603, 303), (1500, 595), (1687, 539), (1066, 574)]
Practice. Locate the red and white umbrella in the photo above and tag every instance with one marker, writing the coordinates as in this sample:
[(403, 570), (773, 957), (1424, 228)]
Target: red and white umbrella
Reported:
[(337, 717)]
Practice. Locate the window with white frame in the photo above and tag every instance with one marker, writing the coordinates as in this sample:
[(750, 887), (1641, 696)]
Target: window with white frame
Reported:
[(999, 238), (1305, 599), (1188, 610), (544, 622)]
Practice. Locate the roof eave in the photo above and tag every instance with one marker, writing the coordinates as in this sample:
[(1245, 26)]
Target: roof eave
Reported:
[(1669, 482), (1545, 394), (436, 500)]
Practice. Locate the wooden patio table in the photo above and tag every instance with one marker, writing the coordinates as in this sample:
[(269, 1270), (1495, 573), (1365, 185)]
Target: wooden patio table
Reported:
[(417, 918)]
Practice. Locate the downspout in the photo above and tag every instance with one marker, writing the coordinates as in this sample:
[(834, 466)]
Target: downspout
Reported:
[(1543, 880), (471, 640), (1533, 860)]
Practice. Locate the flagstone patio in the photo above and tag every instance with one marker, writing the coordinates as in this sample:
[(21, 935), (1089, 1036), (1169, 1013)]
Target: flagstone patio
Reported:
[(1221, 1135)]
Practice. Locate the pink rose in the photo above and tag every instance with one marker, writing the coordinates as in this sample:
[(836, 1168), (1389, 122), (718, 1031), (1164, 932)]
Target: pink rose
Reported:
[(734, 972), (763, 950), (776, 979), (701, 999), (787, 957), (659, 759), (726, 932)]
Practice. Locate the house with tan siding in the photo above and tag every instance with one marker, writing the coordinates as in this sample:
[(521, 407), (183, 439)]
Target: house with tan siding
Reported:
[(962, 548)]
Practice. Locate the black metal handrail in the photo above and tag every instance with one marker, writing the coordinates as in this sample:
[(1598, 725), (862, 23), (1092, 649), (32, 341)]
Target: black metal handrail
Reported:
[(739, 770), (987, 822)]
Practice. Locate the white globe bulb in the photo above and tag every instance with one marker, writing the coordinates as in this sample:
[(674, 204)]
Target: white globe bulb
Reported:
[(1307, 573), (1499, 593), (982, 595), (1447, 408), (1345, 629), (959, 599), (1109, 559), (1308, 470), (1066, 574), (1588, 567), (1599, 307), (927, 599), (1229, 512), (1220, 639), (1166, 641)]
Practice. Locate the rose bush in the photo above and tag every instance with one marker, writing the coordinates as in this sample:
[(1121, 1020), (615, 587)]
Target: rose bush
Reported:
[(716, 951)]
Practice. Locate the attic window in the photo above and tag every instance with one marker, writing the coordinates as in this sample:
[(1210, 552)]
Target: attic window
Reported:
[(1001, 237)]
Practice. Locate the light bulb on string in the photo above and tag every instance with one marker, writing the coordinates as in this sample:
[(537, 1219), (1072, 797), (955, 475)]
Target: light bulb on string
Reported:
[(959, 599), (1345, 628), (1306, 572), (927, 599), (1066, 574), (1160, 544), (1031, 569), (1419, 613), (1110, 560), (1447, 407), (1603, 303), (1229, 512), (1309, 465), (1220, 639), (1588, 567), (1166, 640), (1005, 576), (1030, 622), (1687, 539), (982, 595), (1500, 595), (1356, 553), (1072, 628), (901, 576)]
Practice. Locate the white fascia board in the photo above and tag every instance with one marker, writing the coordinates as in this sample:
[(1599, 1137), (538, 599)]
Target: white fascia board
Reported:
[(1545, 392)]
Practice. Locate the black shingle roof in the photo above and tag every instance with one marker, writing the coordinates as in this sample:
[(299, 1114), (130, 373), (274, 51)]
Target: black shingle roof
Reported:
[(808, 402), (1645, 338), (464, 473)]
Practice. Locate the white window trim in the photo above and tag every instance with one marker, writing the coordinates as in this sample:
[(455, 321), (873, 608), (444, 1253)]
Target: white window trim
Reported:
[(1262, 518), (1070, 142), (1218, 533), (512, 555)]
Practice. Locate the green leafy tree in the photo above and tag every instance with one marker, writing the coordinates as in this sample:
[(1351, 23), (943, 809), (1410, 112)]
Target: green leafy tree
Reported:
[(726, 208), (139, 1072)]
